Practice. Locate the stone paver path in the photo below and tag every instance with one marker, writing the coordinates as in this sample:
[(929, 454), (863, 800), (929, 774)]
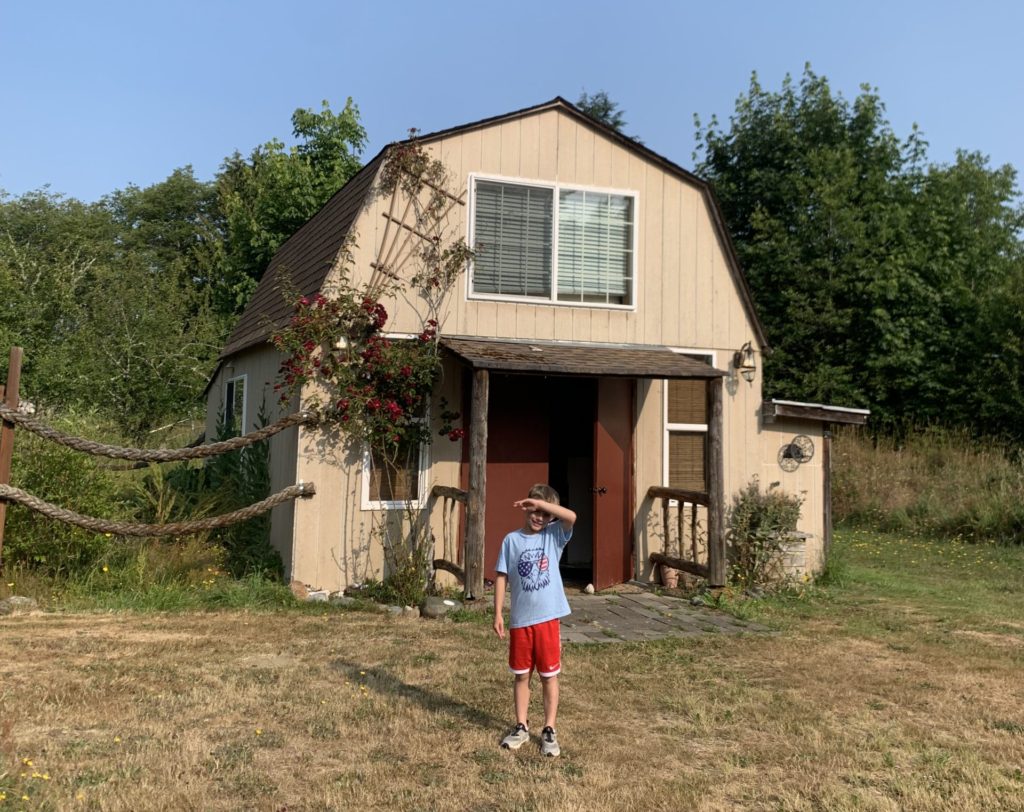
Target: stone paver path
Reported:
[(641, 615)]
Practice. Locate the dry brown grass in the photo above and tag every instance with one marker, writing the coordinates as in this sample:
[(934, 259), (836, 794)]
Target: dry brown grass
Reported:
[(357, 711)]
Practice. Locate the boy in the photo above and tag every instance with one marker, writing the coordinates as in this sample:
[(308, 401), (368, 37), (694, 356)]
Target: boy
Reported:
[(528, 565)]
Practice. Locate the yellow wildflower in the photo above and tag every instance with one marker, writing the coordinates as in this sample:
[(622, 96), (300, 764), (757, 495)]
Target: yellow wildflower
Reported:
[(117, 739), (259, 731), (106, 568), (27, 762)]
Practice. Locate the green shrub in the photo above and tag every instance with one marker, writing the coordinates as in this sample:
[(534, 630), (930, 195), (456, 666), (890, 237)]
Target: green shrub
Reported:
[(759, 523), (225, 483), (71, 480)]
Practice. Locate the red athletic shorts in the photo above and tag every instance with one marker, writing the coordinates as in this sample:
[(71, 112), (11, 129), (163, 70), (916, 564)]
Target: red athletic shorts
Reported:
[(537, 647)]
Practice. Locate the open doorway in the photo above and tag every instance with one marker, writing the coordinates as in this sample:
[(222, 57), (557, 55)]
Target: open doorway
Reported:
[(571, 469), (578, 438)]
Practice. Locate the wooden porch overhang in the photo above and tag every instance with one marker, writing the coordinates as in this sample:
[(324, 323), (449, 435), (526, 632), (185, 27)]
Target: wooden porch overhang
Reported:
[(568, 358), (484, 356)]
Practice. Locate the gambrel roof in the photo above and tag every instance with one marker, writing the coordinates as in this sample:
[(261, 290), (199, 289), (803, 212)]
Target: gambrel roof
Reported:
[(305, 259)]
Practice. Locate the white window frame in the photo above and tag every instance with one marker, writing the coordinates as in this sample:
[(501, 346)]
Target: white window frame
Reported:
[(556, 189), (229, 402), (691, 428), (421, 481)]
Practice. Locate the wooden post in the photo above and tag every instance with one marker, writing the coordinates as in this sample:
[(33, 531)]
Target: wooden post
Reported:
[(826, 491), (476, 502), (716, 486), (10, 396)]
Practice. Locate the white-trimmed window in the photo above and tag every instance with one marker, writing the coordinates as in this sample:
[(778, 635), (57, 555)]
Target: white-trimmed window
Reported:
[(397, 483), (686, 429), (234, 406), (553, 243)]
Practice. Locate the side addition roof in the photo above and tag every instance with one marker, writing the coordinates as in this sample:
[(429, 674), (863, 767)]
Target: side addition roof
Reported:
[(772, 410)]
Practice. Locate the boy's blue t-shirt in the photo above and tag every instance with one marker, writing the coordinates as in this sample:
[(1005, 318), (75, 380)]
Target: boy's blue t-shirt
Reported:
[(530, 560)]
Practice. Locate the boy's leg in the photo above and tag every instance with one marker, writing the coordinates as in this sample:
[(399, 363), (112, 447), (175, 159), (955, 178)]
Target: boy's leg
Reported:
[(521, 697), (549, 686)]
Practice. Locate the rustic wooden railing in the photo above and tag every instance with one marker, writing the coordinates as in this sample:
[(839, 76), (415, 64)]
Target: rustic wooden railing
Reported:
[(686, 518), (450, 498)]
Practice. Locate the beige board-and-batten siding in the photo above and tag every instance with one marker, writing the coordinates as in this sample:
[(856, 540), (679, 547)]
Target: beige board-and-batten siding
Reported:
[(805, 482), (686, 297)]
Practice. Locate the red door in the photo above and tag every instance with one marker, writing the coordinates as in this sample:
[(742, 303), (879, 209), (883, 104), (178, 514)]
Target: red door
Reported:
[(613, 482), (517, 457)]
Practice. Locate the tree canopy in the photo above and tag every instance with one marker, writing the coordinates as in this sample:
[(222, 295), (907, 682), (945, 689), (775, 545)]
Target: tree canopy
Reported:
[(882, 280), (122, 305)]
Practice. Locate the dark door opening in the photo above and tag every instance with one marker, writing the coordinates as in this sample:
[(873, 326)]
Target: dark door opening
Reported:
[(571, 468), (576, 435)]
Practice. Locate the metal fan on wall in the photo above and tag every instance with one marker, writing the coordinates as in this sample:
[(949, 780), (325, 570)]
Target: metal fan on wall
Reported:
[(796, 452)]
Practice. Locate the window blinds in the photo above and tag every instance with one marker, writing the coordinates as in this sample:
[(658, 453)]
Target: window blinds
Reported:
[(513, 240)]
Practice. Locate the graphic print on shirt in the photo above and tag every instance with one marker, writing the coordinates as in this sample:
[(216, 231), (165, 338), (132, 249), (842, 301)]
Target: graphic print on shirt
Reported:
[(533, 569)]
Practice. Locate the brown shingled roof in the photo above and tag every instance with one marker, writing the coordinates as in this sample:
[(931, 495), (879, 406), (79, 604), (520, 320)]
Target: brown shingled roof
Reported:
[(305, 258), (310, 253)]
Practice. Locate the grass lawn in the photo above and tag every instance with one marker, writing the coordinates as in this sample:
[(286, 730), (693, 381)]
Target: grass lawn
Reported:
[(899, 686)]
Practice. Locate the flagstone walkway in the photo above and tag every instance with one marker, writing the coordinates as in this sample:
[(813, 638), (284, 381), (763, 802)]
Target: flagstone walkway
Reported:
[(631, 616)]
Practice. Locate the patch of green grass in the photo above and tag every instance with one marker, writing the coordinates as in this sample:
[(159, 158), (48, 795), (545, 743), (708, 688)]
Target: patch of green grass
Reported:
[(220, 592), (899, 585), (464, 614)]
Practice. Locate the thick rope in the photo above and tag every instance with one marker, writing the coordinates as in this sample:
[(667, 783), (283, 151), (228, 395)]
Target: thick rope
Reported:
[(156, 454), (174, 529)]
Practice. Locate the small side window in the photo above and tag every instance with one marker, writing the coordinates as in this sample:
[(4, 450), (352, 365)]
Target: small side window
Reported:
[(234, 406), (394, 483)]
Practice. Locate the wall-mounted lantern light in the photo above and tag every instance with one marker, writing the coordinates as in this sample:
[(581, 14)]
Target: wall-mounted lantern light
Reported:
[(743, 361)]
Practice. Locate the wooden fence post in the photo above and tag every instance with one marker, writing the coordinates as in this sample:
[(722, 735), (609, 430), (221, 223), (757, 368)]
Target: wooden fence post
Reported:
[(717, 564), (476, 501), (10, 395)]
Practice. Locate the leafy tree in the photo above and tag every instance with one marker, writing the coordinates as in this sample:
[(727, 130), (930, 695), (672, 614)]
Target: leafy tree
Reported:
[(177, 223), (870, 268), (601, 107), (266, 197)]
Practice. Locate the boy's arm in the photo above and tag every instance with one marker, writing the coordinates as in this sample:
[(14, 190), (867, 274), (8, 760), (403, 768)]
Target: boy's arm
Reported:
[(563, 514), (500, 580)]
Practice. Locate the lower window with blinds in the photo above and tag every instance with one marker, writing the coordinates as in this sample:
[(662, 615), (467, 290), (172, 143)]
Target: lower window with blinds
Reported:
[(686, 434)]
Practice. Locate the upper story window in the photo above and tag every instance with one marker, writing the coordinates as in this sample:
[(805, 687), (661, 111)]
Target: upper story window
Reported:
[(553, 243)]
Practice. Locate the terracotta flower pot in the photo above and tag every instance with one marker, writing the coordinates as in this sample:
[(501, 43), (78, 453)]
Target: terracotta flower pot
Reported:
[(669, 576)]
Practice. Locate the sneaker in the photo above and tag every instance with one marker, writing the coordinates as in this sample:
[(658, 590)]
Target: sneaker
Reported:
[(548, 742), (517, 738)]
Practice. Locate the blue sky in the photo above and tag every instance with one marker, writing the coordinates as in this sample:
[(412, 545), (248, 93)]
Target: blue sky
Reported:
[(99, 95)]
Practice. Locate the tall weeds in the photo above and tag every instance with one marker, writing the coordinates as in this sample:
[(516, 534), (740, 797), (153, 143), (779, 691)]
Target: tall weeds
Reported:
[(935, 482)]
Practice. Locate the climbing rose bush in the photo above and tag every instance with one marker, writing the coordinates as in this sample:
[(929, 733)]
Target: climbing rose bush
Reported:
[(373, 386)]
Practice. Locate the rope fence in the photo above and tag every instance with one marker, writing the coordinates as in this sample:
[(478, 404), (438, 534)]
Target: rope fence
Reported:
[(156, 454), (8, 493), (11, 416)]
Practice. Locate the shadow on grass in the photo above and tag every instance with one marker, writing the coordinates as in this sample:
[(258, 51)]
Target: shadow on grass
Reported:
[(432, 701)]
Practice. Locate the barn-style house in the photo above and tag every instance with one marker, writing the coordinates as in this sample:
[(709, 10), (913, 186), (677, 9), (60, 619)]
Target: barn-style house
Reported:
[(604, 341)]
